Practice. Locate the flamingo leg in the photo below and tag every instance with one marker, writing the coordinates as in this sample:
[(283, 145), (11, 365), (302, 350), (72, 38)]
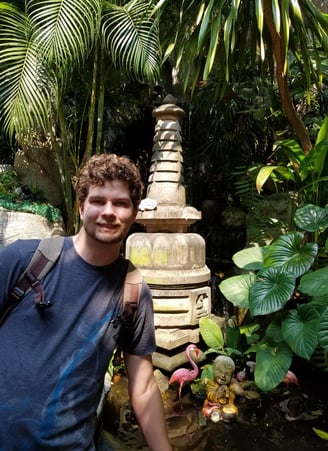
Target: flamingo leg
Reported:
[(180, 389)]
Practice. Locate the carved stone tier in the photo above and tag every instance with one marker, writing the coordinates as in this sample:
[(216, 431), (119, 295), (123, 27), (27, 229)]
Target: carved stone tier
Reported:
[(168, 217)]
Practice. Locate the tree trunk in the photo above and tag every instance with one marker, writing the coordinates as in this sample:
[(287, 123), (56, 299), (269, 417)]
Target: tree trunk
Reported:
[(278, 46), (92, 109)]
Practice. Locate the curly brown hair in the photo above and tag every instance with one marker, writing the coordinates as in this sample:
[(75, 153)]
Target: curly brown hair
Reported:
[(100, 168)]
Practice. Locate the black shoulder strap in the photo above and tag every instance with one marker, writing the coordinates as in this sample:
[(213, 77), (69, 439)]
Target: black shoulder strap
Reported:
[(40, 264), (131, 295)]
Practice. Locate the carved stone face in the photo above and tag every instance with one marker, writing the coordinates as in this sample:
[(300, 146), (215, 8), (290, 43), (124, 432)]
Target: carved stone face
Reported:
[(223, 370)]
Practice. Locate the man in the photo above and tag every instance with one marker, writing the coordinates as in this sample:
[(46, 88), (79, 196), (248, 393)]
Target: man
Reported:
[(53, 361)]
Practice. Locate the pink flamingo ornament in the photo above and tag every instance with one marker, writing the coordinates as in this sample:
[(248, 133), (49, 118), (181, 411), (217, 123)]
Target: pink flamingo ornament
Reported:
[(183, 375), (290, 378)]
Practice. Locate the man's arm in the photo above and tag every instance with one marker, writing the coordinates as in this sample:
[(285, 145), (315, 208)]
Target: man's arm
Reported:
[(147, 401)]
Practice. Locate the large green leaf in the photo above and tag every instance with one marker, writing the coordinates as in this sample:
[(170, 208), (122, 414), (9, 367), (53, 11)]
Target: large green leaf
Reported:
[(271, 291), (274, 331), (300, 330), (250, 258), (315, 283), (272, 364), (211, 333), (323, 132), (292, 149), (266, 171), (236, 289), (323, 330), (291, 254), (234, 339), (311, 218), (313, 164)]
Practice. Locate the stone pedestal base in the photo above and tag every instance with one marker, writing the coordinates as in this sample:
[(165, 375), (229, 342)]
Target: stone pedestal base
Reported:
[(173, 265)]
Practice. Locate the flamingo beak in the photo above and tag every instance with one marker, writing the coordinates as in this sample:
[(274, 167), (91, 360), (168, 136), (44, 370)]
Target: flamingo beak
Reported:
[(196, 351)]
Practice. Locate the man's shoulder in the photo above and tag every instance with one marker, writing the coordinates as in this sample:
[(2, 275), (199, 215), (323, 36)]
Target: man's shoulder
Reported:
[(21, 249)]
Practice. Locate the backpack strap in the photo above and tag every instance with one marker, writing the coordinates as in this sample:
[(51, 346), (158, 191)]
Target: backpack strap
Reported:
[(40, 264), (131, 295)]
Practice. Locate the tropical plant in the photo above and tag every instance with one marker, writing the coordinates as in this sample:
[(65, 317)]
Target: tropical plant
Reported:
[(225, 32), (42, 43), (286, 292), (305, 174)]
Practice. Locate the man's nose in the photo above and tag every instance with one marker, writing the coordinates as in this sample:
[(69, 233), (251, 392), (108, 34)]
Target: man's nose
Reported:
[(108, 209)]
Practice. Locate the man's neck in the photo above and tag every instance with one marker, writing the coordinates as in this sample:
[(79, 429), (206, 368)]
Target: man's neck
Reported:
[(95, 252)]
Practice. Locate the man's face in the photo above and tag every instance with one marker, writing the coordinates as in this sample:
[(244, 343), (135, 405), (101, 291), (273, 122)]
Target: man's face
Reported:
[(108, 212)]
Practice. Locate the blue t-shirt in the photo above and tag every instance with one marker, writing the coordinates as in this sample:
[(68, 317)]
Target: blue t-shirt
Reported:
[(53, 361)]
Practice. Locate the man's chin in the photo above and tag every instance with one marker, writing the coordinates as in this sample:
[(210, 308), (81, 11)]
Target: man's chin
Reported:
[(105, 239)]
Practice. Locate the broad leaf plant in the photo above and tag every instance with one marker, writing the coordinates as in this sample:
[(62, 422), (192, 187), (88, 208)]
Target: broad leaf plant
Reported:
[(285, 290)]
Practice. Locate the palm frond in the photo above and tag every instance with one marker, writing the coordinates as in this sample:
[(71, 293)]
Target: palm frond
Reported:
[(24, 98), (130, 36), (65, 29)]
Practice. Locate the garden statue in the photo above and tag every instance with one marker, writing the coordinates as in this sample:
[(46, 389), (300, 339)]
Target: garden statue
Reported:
[(221, 391), (183, 375)]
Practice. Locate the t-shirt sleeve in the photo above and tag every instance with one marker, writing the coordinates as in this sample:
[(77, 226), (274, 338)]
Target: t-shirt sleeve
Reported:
[(14, 258), (140, 339)]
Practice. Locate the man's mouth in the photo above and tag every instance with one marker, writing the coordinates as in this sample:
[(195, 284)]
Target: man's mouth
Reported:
[(109, 227)]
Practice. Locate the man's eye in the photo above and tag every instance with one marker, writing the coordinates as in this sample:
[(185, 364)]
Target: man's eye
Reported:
[(122, 203)]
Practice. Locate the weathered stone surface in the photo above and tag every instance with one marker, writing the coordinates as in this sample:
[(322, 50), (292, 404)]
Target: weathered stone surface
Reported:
[(167, 125), (161, 360), (180, 307), (172, 251), (173, 338), (167, 135), (163, 166), (167, 150), (167, 176), (16, 225), (167, 192)]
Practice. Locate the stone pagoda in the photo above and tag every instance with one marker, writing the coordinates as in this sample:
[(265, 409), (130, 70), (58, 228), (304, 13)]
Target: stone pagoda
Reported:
[(171, 260)]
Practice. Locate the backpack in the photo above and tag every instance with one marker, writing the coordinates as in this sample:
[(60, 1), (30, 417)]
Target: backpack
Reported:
[(43, 259)]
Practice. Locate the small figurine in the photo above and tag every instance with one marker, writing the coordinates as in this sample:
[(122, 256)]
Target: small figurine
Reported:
[(221, 391), (183, 375)]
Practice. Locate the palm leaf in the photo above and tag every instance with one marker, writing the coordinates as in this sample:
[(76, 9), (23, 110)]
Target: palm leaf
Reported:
[(24, 82), (244, 28), (130, 36), (65, 29)]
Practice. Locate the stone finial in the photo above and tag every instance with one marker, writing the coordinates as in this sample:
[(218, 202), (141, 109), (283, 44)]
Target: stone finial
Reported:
[(166, 181)]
